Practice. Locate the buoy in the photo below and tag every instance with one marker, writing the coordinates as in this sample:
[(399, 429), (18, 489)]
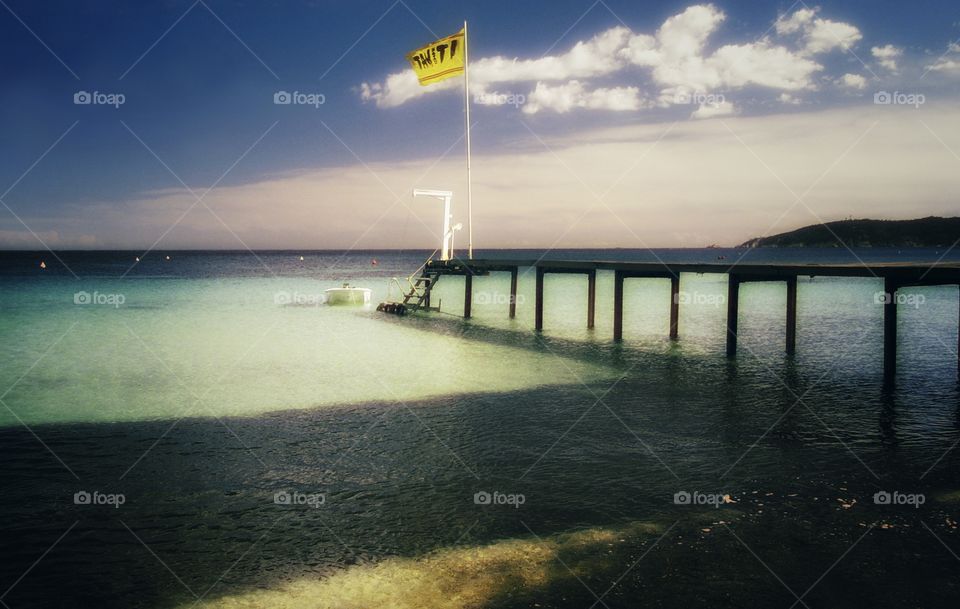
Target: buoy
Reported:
[(374, 262), (301, 258), (138, 258), (43, 264), (168, 257)]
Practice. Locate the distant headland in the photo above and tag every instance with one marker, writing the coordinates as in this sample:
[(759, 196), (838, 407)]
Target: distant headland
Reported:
[(923, 232)]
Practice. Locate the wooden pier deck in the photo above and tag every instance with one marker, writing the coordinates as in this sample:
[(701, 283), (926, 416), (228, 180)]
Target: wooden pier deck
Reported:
[(894, 276)]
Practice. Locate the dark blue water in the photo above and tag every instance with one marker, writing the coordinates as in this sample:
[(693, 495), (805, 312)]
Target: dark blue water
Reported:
[(162, 401)]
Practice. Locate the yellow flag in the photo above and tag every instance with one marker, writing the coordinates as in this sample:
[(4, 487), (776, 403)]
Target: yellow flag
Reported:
[(439, 60)]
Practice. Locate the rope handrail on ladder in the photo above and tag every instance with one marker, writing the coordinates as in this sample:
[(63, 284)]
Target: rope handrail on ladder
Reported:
[(422, 266), (414, 291), (394, 281), (418, 296)]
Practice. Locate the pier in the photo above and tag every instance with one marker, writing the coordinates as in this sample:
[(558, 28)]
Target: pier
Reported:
[(895, 276)]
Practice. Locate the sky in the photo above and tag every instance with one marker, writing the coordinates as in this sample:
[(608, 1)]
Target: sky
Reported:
[(595, 123)]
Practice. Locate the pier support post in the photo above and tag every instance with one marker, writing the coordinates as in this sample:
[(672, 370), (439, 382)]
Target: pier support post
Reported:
[(889, 330), (674, 306), (617, 306), (538, 315), (467, 294), (791, 315), (733, 309), (591, 297), (514, 272)]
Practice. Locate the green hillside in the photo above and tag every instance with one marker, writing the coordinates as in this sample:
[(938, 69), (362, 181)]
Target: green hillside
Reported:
[(923, 232)]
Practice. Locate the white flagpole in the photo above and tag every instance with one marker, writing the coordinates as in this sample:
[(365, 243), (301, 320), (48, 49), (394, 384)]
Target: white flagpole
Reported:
[(466, 102)]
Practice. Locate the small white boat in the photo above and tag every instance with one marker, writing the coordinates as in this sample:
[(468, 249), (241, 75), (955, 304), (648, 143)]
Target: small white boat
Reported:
[(347, 295)]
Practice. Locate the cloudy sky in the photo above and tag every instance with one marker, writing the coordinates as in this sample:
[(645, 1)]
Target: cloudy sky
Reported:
[(596, 123)]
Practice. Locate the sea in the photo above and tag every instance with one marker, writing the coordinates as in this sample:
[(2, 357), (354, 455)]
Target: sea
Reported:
[(198, 429)]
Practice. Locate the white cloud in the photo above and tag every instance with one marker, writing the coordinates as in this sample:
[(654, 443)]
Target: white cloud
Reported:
[(679, 65), (595, 57), (852, 81), (786, 98), (676, 58), (887, 56), (948, 62), (566, 97), (818, 35), (799, 21), (642, 50), (764, 65), (683, 36), (400, 88), (828, 35), (723, 108), (945, 64)]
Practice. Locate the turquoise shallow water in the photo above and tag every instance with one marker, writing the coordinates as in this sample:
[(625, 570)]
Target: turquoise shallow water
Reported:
[(200, 387), (187, 343)]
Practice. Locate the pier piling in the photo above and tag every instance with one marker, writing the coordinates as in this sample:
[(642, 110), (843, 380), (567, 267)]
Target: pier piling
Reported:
[(674, 306), (591, 297), (791, 315), (538, 316), (514, 273), (889, 330), (733, 310), (467, 294), (618, 305), (896, 276), (572, 270)]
